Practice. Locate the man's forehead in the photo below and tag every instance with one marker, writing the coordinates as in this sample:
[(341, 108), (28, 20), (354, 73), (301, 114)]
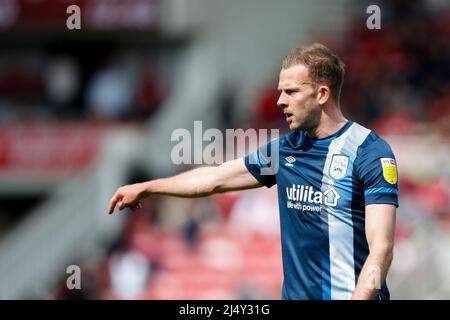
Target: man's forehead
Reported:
[(295, 74), (295, 70)]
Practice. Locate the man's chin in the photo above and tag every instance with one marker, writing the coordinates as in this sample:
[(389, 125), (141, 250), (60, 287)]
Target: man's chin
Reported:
[(295, 127)]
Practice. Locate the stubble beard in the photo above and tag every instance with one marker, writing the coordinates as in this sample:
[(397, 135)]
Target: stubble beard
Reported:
[(310, 122)]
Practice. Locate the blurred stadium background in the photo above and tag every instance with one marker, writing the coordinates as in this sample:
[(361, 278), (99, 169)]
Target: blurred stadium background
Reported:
[(85, 111)]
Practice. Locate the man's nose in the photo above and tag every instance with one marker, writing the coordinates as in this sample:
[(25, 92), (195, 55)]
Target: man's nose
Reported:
[(282, 102)]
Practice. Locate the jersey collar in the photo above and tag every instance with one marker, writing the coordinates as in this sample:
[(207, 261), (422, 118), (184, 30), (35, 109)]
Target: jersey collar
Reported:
[(300, 139)]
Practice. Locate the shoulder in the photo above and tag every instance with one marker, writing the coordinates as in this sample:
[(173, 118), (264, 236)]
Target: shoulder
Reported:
[(374, 146)]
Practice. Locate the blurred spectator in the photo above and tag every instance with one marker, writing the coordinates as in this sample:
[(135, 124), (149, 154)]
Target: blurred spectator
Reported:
[(149, 94), (190, 231), (110, 91), (267, 114), (88, 290), (255, 212), (227, 104), (62, 83), (130, 272)]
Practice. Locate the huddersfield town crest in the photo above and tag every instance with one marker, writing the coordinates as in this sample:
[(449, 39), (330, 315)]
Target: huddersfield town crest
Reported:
[(338, 167)]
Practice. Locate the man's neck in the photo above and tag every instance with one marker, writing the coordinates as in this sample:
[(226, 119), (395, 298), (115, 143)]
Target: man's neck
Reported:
[(330, 123)]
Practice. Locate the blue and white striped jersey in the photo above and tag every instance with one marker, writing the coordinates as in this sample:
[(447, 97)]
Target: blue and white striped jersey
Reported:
[(323, 187)]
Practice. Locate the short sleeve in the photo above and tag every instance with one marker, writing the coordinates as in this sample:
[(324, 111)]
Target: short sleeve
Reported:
[(263, 163), (377, 171)]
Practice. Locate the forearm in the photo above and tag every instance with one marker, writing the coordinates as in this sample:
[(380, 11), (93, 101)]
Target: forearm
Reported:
[(199, 182), (372, 275), (229, 176)]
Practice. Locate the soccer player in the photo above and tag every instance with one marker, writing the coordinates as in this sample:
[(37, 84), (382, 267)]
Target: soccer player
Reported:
[(336, 180)]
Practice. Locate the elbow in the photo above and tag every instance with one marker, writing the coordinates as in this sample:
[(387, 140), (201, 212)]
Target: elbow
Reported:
[(389, 256), (205, 184), (218, 183), (207, 188), (384, 251), (201, 191), (216, 188)]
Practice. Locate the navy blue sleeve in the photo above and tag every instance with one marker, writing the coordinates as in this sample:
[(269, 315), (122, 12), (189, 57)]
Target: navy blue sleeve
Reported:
[(263, 163), (377, 171)]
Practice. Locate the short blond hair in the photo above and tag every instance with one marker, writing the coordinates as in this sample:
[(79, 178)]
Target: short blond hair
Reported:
[(323, 66)]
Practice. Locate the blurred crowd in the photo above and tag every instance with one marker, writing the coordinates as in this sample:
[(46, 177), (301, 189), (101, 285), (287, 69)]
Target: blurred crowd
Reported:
[(80, 82), (397, 83), (397, 78), (83, 84)]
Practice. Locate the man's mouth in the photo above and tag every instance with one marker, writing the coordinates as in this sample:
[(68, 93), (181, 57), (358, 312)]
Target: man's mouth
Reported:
[(288, 116)]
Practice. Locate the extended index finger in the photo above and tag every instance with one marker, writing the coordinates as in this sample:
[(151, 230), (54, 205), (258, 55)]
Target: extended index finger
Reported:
[(112, 204)]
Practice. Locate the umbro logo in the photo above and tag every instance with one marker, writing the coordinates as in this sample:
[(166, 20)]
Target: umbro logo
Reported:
[(290, 160)]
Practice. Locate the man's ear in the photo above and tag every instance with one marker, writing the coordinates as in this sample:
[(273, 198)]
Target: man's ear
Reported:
[(323, 94)]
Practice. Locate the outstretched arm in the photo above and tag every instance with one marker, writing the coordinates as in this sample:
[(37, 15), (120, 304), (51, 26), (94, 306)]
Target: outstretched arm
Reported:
[(380, 230), (200, 182)]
